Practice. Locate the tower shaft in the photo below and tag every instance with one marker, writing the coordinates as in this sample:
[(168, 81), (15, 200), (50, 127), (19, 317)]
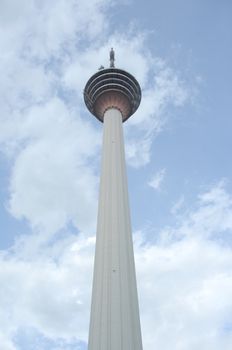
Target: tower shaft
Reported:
[(114, 322)]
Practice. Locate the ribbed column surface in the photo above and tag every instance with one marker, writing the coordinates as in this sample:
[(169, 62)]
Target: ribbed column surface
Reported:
[(114, 323)]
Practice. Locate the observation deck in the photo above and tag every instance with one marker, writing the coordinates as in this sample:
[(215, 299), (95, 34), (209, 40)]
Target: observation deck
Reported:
[(112, 88)]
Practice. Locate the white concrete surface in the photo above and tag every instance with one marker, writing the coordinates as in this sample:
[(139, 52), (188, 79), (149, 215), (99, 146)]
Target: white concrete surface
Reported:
[(114, 323)]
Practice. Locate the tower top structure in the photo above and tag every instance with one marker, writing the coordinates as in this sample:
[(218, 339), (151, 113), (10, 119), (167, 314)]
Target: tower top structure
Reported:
[(112, 88)]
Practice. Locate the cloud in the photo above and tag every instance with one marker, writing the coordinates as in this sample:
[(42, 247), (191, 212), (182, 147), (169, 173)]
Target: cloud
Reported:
[(43, 294), (44, 29), (6, 344), (184, 284), (185, 292), (44, 131), (178, 205), (211, 219), (51, 182), (157, 179), (48, 51), (165, 90), (185, 279)]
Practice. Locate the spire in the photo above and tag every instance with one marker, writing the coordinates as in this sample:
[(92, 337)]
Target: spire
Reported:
[(112, 58)]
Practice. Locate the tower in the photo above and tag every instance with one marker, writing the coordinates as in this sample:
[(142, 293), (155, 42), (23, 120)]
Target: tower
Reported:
[(113, 95)]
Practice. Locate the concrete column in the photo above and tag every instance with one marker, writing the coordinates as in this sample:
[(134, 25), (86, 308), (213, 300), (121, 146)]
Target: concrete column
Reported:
[(114, 323)]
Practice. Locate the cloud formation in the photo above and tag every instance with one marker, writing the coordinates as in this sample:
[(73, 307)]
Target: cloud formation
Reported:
[(184, 284), (44, 128), (48, 51), (185, 279), (157, 179)]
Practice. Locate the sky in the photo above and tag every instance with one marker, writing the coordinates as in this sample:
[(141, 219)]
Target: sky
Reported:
[(178, 147)]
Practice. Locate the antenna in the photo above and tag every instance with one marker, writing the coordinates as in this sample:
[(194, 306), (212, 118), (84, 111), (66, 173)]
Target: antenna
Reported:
[(112, 58)]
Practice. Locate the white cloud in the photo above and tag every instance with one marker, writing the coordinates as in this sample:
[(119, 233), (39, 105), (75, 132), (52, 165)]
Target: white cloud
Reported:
[(37, 38), (157, 179), (166, 89), (6, 344), (212, 216), (42, 293), (50, 149), (138, 151), (45, 282), (51, 183), (184, 285), (44, 28), (185, 292), (185, 280), (178, 205)]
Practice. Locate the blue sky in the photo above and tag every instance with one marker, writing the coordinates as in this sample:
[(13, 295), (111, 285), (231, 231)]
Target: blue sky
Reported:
[(179, 168)]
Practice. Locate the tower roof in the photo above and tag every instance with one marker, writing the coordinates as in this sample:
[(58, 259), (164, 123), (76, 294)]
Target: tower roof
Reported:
[(112, 88)]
